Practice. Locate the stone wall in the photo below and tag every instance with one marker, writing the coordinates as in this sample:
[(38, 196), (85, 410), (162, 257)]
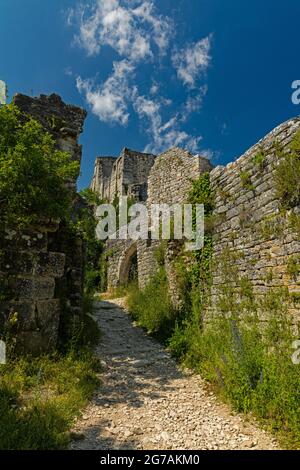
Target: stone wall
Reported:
[(126, 175), (170, 178), (41, 267), (253, 241), (169, 181)]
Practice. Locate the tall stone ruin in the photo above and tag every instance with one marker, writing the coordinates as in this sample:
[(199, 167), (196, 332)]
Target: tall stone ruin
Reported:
[(42, 267)]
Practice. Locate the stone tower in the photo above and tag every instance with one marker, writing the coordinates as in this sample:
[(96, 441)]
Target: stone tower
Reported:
[(126, 175)]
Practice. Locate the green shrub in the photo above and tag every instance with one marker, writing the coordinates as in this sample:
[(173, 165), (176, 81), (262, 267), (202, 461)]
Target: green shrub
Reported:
[(287, 175), (33, 173), (151, 307), (251, 371), (91, 196), (95, 260), (202, 193), (246, 180), (260, 159), (293, 266)]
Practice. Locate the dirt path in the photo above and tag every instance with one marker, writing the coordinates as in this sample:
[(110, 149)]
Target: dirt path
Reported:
[(146, 401)]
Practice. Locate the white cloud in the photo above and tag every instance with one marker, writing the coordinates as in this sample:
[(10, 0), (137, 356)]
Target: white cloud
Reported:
[(130, 31), (193, 103), (154, 88), (161, 26), (192, 61), (109, 101), (163, 135), (138, 34)]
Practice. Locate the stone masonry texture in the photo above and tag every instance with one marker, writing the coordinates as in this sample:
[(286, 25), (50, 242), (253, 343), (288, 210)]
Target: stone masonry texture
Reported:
[(245, 209), (250, 224), (41, 267), (123, 176)]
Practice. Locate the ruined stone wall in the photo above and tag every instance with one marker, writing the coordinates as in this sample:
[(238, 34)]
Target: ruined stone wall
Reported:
[(254, 244), (136, 169), (253, 241), (34, 265), (125, 175), (28, 270), (170, 178), (102, 176), (63, 121), (169, 182)]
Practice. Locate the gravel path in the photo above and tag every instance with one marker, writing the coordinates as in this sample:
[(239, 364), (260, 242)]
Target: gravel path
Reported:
[(145, 401)]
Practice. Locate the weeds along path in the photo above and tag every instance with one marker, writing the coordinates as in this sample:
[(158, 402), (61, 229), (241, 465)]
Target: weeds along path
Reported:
[(146, 401)]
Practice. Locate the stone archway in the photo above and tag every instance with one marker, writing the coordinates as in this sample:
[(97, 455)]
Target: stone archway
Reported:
[(128, 266)]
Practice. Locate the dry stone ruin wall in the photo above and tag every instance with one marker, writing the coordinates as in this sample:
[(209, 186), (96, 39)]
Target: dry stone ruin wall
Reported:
[(169, 183), (169, 180), (41, 266), (126, 175), (253, 241)]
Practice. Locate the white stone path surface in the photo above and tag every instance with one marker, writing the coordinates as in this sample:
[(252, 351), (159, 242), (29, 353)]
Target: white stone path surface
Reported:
[(145, 401)]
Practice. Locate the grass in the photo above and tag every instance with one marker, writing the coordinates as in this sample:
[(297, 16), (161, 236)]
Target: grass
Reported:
[(287, 174), (113, 293), (250, 370), (151, 307), (41, 397)]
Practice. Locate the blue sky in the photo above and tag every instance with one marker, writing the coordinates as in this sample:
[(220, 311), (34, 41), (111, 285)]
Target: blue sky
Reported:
[(212, 76)]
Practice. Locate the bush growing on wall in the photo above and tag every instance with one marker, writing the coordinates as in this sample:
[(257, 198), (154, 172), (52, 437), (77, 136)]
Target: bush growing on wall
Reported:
[(33, 173), (287, 175)]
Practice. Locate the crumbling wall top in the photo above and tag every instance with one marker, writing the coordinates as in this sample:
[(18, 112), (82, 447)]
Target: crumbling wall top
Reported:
[(54, 115)]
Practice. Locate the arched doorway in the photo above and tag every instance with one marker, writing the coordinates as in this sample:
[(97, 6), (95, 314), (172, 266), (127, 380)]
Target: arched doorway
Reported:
[(128, 271)]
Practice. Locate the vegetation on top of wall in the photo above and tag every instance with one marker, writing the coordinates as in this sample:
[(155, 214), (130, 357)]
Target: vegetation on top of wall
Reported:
[(33, 173), (293, 266), (287, 174), (259, 159)]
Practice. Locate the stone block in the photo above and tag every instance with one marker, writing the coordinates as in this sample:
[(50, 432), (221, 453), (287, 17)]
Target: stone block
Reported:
[(33, 288), (50, 264), (14, 262)]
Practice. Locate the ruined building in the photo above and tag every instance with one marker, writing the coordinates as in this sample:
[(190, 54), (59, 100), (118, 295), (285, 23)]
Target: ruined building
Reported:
[(255, 245), (254, 242), (123, 176), (43, 267)]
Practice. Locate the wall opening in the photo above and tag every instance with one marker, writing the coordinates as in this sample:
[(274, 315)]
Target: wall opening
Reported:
[(129, 266)]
